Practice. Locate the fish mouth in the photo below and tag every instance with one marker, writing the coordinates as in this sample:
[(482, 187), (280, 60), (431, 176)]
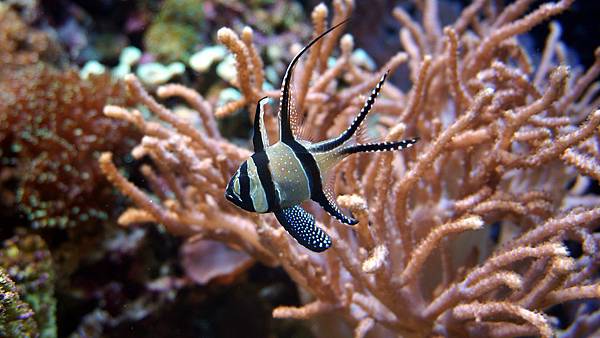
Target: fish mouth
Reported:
[(235, 201), (231, 197)]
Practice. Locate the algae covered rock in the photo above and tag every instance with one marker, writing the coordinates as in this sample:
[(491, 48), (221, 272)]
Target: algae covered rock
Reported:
[(28, 263), (16, 316)]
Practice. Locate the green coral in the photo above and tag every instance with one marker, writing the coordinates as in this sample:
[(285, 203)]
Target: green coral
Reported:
[(189, 12), (28, 263), (16, 316), (271, 17), (174, 33), (170, 41)]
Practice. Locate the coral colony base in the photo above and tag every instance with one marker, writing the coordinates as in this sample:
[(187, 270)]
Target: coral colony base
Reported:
[(465, 237)]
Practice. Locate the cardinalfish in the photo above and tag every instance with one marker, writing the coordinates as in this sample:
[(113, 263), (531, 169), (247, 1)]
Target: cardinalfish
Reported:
[(278, 178)]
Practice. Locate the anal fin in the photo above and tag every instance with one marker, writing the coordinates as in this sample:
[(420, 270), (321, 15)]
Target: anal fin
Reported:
[(327, 202), (301, 225)]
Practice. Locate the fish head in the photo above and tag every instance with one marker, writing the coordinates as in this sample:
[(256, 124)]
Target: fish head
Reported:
[(239, 187)]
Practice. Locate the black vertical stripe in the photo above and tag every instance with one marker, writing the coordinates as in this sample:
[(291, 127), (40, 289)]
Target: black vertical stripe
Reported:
[(261, 160), (245, 188), (311, 168), (309, 165)]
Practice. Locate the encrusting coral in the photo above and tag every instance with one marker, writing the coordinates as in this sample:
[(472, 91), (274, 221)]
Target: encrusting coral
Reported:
[(463, 236)]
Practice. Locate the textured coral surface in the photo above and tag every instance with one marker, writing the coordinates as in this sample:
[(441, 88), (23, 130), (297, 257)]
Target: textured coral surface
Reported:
[(52, 130)]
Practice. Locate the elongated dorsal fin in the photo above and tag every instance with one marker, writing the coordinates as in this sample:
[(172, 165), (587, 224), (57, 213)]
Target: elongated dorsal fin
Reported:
[(285, 130), (260, 137), (354, 126), (295, 116), (301, 225)]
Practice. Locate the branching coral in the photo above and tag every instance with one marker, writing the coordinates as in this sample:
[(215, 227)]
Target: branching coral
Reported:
[(52, 130), (500, 140)]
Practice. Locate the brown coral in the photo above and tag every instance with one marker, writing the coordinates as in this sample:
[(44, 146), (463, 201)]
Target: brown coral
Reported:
[(20, 44), (496, 152), (52, 130)]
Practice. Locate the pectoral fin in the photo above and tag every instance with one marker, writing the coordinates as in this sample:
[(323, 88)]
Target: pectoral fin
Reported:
[(301, 225)]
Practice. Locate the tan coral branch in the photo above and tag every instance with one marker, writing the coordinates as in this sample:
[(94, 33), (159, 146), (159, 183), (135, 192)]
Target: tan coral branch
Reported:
[(479, 311), (307, 311), (428, 244)]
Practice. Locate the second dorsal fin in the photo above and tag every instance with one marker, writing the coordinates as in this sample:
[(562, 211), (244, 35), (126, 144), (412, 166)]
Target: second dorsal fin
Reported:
[(382, 146)]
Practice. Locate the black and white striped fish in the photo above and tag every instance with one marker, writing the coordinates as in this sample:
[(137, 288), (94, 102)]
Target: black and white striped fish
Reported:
[(278, 178)]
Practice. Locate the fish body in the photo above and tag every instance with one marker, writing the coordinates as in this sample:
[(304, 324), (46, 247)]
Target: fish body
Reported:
[(277, 178)]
